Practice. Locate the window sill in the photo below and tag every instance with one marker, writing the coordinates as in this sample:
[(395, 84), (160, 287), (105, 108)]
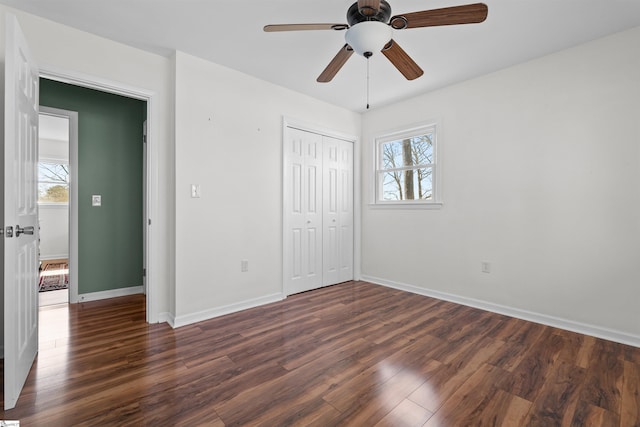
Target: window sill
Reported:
[(407, 205)]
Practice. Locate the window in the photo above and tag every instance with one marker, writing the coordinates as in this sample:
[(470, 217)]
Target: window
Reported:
[(53, 182), (406, 167)]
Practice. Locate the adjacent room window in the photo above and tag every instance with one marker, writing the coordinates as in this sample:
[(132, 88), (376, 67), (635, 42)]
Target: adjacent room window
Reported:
[(53, 182), (406, 167)]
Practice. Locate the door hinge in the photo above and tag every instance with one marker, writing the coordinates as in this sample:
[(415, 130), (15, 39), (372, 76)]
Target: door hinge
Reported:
[(144, 272), (149, 221), (144, 139)]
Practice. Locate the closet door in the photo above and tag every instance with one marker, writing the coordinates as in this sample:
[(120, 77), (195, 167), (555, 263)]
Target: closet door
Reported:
[(345, 210), (302, 222), (337, 218)]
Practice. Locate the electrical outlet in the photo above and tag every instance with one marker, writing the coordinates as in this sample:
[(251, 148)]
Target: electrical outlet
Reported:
[(486, 267), (96, 200), (244, 266)]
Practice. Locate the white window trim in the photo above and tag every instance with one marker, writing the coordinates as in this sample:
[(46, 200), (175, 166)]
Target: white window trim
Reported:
[(411, 130)]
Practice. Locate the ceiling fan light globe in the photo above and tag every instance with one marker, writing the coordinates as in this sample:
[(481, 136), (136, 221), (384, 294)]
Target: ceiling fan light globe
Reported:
[(368, 37)]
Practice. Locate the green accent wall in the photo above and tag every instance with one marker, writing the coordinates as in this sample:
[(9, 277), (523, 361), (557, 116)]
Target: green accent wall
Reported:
[(110, 160)]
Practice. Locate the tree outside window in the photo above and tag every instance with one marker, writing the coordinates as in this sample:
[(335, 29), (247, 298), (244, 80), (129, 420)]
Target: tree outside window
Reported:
[(53, 182), (406, 165)]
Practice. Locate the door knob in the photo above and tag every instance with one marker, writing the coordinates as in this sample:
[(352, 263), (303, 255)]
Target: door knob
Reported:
[(25, 230)]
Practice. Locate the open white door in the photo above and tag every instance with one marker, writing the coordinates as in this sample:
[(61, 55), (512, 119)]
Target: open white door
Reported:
[(20, 212)]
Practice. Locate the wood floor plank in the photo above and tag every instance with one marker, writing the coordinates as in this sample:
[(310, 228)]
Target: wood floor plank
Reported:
[(448, 378), (603, 384), (531, 373), (630, 402), (590, 415), (351, 354), (558, 395), (406, 414)]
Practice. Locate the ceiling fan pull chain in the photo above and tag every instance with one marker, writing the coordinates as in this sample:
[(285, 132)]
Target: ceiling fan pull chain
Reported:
[(368, 83)]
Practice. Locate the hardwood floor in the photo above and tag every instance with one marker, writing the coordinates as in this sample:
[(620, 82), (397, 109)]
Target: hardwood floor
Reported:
[(354, 354)]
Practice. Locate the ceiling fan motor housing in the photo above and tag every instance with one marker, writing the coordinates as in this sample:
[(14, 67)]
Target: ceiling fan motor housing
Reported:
[(354, 16)]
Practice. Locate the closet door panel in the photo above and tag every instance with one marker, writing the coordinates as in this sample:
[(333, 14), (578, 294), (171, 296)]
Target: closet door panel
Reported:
[(330, 219), (302, 219), (345, 211)]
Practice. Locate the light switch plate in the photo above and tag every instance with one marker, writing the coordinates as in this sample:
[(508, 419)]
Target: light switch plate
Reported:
[(195, 191), (96, 200)]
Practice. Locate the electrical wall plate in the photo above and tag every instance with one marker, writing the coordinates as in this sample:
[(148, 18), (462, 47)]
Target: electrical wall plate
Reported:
[(96, 200)]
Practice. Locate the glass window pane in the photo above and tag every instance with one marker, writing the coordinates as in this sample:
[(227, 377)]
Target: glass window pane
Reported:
[(53, 183), (391, 155), (52, 172), (412, 184), (413, 151), (422, 149), (392, 185), (53, 193)]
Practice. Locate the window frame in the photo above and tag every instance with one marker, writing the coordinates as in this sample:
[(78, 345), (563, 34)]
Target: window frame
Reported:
[(435, 202), (53, 161)]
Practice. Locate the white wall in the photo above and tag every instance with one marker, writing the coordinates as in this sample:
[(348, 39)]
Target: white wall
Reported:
[(541, 178), (54, 231), (53, 149), (229, 141), (60, 48)]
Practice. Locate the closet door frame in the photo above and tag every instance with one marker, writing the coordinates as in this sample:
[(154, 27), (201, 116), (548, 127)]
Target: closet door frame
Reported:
[(288, 122)]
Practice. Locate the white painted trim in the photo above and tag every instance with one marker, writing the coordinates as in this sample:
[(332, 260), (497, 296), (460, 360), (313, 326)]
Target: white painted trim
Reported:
[(406, 205), (399, 133), (357, 208), (112, 293), (43, 159), (54, 256), (93, 82), (89, 81), (166, 317), (53, 206), (544, 319), (187, 319), (313, 128)]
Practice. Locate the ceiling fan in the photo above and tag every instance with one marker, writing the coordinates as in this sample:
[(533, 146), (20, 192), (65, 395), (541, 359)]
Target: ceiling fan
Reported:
[(370, 29)]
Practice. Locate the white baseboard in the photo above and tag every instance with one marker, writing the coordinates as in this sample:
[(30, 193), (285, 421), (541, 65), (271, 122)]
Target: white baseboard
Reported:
[(187, 319), (544, 319), (112, 293), (166, 317), (50, 257)]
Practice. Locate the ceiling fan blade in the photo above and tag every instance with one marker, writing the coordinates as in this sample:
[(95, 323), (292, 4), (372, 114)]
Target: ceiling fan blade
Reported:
[(303, 27), (402, 61), (368, 7), (336, 64), (467, 14)]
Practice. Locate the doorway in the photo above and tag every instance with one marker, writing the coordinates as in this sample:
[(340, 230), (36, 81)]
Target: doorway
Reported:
[(107, 204), (57, 139)]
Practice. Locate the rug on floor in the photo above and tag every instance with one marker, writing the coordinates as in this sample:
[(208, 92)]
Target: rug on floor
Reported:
[(54, 276)]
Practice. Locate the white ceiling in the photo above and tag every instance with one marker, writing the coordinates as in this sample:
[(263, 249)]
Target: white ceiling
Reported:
[(230, 33)]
